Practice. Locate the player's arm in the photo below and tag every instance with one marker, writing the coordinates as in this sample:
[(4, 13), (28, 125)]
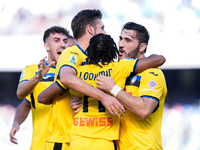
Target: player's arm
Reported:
[(152, 61), (26, 87), (49, 93), (142, 107), (69, 79), (21, 114)]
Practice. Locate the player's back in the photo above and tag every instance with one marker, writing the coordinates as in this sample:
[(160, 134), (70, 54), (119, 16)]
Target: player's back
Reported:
[(94, 120)]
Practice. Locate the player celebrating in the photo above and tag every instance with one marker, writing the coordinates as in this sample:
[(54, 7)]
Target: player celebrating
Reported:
[(33, 80), (144, 97), (94, 127)]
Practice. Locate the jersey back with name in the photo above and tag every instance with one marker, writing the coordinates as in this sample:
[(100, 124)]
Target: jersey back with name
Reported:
[(94, 120)]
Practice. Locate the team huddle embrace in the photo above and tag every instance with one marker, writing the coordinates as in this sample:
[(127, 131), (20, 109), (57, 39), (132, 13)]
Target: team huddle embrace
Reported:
[(89, 93)]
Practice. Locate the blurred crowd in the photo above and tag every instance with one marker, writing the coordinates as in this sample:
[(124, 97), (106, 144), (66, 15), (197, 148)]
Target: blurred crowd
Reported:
[(180, 128), (33, 17)]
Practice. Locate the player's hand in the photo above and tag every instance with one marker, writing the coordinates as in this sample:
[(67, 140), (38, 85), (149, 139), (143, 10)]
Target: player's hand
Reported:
[(14, 129), (75, 104), (43, 68), (105, 83), (113, 106)]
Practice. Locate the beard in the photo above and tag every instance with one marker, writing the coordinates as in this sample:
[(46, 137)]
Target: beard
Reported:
[(133, 53)]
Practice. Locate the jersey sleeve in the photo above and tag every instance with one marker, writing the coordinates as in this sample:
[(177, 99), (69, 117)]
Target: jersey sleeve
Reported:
[(28, 99), (152, 84), (128, 66), (27, 73), (70, 57)]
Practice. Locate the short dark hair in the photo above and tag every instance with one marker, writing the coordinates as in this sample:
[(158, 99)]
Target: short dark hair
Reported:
[(141, 32), (53, 30), (82, 19), (101, 48)]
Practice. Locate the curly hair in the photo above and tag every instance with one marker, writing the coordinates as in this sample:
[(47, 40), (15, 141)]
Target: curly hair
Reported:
[(82, 19), (102, 48), (53, 30)]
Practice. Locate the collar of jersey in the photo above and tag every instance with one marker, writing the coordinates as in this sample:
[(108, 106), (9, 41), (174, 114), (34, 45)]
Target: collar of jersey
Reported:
[(86, 63), (81, 49), (48, 64)]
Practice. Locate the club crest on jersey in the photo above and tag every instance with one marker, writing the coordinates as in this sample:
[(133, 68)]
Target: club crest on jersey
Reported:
[(73, 59), (133, 79)]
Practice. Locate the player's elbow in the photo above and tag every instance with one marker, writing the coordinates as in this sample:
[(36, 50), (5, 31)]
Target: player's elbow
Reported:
[(66, 81), (144, 114), (20, 95), (161, 60), (43, 100)]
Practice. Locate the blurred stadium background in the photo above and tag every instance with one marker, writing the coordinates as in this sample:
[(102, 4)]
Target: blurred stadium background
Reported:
[(174, 28)]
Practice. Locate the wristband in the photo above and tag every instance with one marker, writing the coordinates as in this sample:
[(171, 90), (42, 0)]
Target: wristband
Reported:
[(115, 90)]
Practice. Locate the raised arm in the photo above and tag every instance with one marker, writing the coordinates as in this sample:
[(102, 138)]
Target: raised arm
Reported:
[(21, 114), (26, 87), (152, 61)]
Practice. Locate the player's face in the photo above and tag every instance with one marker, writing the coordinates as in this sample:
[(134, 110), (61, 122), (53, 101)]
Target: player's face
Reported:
[(128, 44), (99, 27), (57, 43)]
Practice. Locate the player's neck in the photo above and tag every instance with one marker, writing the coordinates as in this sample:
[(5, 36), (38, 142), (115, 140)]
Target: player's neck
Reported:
[(48, 59), (83, 42), (140, 55)]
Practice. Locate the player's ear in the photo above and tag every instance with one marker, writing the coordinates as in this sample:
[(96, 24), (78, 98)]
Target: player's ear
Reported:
[(143, 46), (46, 45), (90, 29)]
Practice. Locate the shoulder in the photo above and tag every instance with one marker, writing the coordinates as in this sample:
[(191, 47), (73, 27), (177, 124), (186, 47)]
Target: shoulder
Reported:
[(127, 62), (74, 50), (28, 72), (153, 73), (31, 67), (155, 70)]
